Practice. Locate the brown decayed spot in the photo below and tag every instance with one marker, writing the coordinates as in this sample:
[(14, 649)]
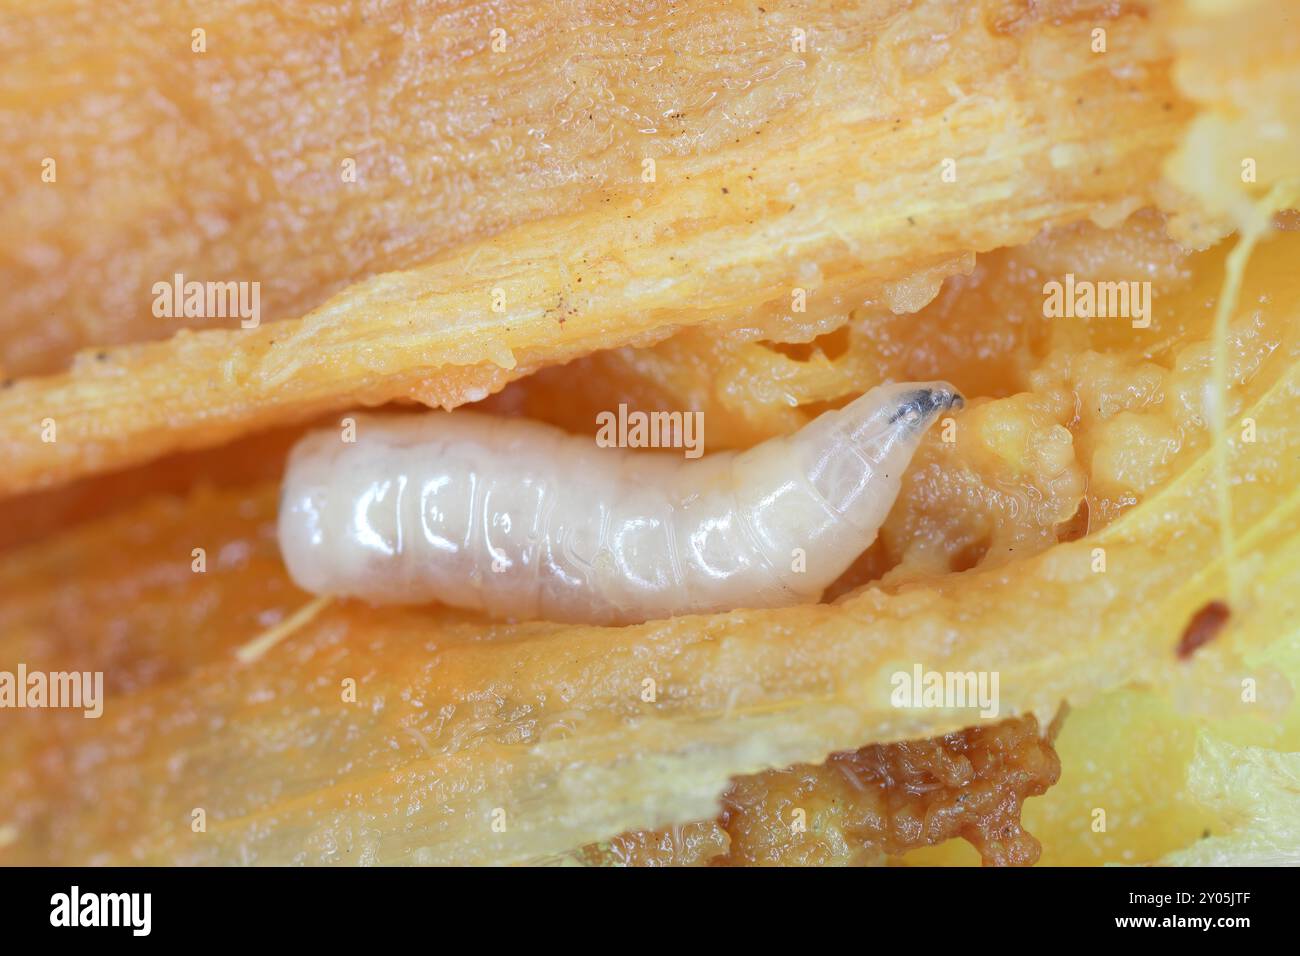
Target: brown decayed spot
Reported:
[(1204, 627), (867, 806)]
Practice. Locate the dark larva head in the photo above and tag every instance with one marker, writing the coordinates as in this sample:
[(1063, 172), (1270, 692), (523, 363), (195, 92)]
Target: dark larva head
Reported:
[(918, 407), (856, 456), (890, 415)]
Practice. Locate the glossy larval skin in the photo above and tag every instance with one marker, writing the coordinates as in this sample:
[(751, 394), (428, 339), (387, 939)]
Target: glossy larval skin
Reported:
[(522, 520)]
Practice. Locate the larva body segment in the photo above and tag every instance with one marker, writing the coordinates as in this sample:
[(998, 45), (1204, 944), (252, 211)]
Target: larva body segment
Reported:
[(521, 520)]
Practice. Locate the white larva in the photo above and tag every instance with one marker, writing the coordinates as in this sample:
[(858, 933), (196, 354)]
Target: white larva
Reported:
[(522, 520)]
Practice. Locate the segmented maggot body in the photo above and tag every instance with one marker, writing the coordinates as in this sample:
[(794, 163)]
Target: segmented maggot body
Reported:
[(522, 520)]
